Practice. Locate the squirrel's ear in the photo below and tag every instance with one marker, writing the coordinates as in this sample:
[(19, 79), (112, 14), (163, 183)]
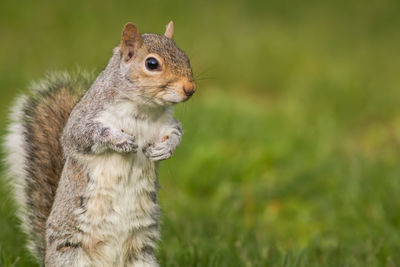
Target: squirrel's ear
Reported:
[(131, 41), (169, 31)]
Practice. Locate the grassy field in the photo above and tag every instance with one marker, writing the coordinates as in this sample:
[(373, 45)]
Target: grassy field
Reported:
[(291, 152)]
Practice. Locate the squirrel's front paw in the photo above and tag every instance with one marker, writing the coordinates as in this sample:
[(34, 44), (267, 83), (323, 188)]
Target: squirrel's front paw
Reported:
[(122, 142), (158, 151)]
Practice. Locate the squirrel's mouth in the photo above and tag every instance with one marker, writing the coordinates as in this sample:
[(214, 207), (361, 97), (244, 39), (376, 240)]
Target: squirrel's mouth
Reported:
[(174, 102), (186, 99), (171, 97)]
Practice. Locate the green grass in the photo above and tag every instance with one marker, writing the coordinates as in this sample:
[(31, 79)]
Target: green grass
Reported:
[(291, 151)]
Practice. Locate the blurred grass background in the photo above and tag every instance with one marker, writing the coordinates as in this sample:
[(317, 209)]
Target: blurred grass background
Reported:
[(292, 142)]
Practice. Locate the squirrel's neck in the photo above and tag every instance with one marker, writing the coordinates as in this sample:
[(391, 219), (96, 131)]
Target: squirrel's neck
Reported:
[(111, 77)]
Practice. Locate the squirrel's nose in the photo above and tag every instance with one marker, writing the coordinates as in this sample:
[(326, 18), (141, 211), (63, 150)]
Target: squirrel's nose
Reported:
[(189, 88)]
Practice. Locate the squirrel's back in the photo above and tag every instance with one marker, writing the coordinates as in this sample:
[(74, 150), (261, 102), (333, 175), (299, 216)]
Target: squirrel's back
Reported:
[(34, 153)]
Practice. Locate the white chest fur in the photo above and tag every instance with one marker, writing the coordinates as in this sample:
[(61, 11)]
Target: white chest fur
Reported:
[(121, 209)]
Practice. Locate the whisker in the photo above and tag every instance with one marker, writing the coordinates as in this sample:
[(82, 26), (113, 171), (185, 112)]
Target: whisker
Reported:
[(199, 75), (204, 78)]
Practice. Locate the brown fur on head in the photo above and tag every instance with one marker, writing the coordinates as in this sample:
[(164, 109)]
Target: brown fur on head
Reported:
[(156, 66)]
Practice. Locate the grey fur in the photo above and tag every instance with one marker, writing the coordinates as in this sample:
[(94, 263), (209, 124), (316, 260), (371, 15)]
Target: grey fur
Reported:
[(105, 210)]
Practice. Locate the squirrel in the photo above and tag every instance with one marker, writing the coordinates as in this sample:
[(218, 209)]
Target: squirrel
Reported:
[(83, 163)]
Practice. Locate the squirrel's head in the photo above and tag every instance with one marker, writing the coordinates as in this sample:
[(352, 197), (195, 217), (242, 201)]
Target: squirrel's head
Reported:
[(155, 67)]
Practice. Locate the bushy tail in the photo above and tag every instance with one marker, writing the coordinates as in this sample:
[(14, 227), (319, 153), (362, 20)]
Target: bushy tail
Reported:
[(33, 151)]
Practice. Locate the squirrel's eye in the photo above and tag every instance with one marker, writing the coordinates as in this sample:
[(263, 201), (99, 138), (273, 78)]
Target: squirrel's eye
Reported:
[(152, 64)]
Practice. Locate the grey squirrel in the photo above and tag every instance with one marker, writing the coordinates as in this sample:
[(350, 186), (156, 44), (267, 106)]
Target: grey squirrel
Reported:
[(83, 163)]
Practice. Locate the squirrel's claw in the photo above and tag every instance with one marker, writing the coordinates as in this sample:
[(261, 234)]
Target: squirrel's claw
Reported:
[(125, 147), (122, 142), (158, 151)]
